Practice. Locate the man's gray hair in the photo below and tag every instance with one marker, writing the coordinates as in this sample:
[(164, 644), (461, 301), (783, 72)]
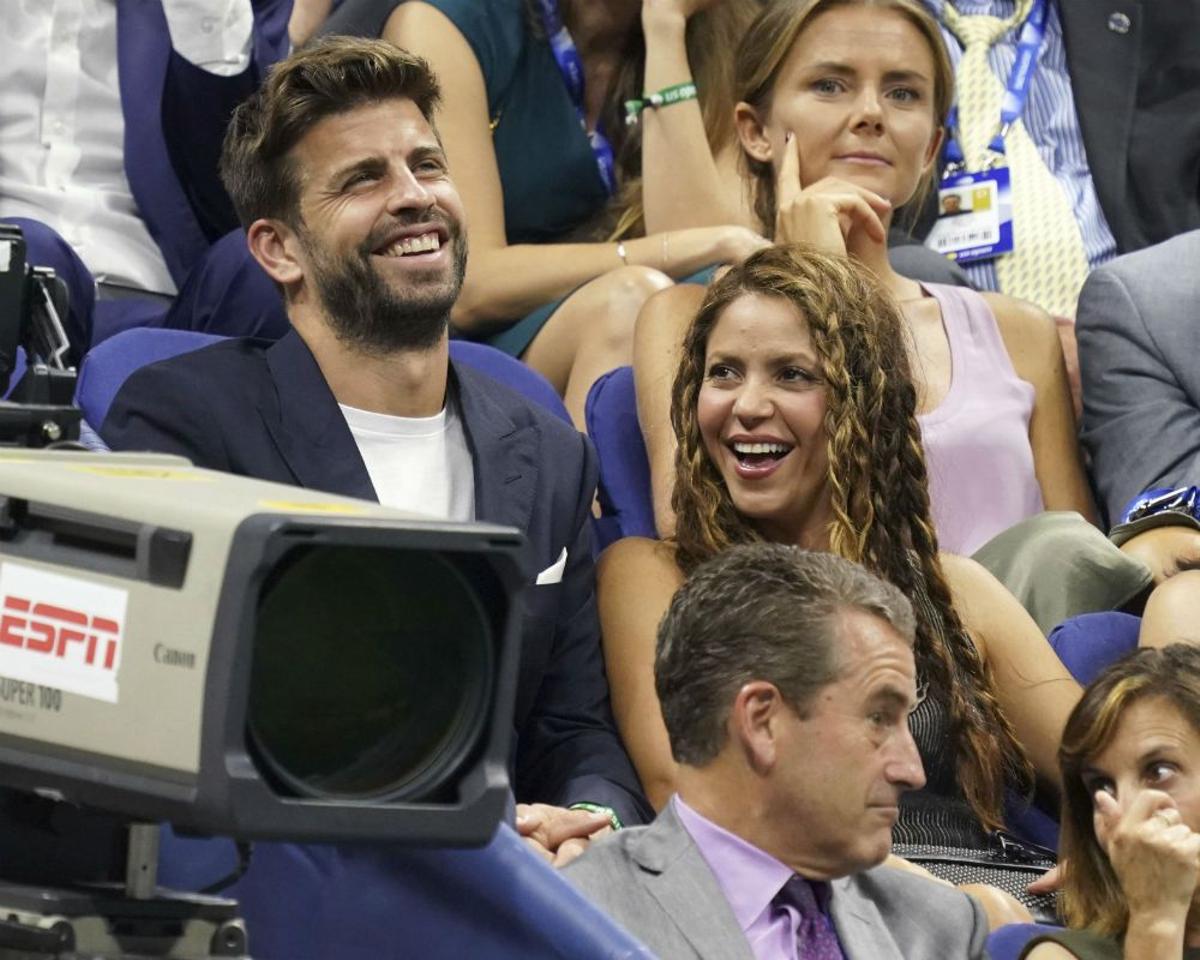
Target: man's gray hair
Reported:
[(758, 611)]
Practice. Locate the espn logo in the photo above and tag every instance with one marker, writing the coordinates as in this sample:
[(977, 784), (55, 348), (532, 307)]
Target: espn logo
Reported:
[(60, 631)]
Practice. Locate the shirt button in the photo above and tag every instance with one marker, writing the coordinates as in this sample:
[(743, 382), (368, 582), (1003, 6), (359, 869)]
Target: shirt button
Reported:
[(1118, 22), (59, 126), (209, 24)]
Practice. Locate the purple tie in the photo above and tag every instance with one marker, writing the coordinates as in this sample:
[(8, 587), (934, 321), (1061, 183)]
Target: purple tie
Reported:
[(815, 937)]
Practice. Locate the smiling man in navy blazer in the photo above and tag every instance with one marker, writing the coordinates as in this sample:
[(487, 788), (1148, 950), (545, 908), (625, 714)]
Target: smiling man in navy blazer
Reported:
[(340, 179)]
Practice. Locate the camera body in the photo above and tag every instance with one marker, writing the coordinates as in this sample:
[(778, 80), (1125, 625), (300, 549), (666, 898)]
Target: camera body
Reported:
[(39, 409), (251, 659)]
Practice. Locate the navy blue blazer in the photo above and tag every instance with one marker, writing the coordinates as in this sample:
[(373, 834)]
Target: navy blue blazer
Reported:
[(175, 119), (264, 410)]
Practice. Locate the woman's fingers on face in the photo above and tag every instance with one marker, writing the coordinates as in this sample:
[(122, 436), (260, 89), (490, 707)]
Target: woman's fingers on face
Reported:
[(1190, 848), (1150, 822), (838, 186), (1146, 804), (862, 215), (1153, 803), (879, 203), (788, 187), (1176, 836)]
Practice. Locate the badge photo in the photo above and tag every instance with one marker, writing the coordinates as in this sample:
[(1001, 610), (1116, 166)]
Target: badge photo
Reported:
[(974, 216)]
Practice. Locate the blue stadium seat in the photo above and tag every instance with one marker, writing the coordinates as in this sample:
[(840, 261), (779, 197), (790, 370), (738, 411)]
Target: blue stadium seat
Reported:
[(626, 506), (1088, 643), (1008, 942), (108, 364), (511, 372), (307, 902)]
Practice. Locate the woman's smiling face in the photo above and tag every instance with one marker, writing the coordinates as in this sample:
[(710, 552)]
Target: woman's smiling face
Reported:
[(761, 414)]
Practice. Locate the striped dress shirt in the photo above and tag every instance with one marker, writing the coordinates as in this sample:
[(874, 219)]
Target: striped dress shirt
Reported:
[(1050, 120)]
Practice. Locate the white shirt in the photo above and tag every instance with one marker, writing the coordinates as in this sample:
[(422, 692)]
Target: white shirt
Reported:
[(421, 464), (62, 131)]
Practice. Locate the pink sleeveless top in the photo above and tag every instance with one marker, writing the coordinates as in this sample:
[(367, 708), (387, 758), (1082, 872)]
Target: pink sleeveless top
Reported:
[(981, 474)]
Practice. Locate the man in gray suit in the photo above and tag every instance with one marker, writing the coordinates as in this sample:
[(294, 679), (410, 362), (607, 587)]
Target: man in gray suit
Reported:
[(1139, 355), (786, 679), (1138, 325)]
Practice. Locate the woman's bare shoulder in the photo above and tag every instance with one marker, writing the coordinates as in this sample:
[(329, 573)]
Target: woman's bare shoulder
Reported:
[(1029, 334), (635, 558)]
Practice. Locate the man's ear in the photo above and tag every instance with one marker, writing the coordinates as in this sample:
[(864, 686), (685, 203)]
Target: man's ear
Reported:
[(752, 132), (276, 248), (754, 723)]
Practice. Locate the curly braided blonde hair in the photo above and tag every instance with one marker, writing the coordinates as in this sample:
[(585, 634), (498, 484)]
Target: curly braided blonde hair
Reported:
[(877, 483)]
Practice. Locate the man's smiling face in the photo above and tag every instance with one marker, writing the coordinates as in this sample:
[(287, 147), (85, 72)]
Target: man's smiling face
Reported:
[(381, 232)]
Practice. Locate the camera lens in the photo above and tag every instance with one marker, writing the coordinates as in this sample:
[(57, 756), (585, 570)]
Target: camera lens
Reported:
[(371, 673)]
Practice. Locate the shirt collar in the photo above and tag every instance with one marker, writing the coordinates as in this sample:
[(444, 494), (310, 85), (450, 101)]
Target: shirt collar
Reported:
[(749, 877)]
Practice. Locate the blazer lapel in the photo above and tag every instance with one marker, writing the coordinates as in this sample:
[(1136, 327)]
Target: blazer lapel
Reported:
[(1103, 65), (679, 879), (860, 927), (505, 453), (308, 427)]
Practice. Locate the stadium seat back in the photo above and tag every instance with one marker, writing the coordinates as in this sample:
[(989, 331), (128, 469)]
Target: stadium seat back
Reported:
[(626, 502)]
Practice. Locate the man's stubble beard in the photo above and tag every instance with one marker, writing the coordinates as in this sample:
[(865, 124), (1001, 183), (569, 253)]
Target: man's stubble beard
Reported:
[(367, 315)]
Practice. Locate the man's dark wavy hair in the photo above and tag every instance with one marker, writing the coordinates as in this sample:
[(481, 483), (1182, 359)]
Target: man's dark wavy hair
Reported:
[(328, 77)]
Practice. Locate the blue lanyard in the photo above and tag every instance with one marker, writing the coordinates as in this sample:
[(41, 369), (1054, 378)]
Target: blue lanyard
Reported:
[(1016, 91), (570, 65)]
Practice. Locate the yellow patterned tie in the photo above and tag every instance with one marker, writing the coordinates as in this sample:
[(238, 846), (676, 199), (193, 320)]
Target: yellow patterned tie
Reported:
[(1047, 265)]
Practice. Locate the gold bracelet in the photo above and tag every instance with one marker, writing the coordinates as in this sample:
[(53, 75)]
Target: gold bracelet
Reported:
[(621, 253)]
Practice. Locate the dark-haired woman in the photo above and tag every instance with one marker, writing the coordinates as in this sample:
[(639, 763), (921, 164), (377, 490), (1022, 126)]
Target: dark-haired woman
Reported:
[(1130, 762)]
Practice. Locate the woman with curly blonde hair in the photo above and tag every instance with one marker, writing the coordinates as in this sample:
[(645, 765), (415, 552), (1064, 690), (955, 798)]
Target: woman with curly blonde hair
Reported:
[(795, 414)]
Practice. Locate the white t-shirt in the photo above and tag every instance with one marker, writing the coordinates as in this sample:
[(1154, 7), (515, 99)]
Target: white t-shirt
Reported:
[(420, 464)]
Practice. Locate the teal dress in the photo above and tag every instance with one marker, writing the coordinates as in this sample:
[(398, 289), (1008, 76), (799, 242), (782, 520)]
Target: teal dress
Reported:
[(547, 169)]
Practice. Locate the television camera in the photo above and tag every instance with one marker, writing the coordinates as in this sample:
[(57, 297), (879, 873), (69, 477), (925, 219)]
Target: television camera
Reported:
[(236, 657)]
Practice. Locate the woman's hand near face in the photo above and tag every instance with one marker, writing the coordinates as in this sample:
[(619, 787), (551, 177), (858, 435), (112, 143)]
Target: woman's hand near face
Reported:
[(1155, 856), (833, 215)]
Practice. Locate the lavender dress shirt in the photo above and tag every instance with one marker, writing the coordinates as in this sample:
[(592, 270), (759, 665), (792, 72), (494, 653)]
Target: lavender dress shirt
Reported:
[(750, 878)]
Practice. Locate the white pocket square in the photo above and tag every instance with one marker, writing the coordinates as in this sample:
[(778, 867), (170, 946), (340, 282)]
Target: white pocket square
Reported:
[(554, 572)]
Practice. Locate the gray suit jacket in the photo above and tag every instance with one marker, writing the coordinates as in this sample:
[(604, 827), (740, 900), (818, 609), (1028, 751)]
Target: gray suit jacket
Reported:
[(1138, 326), (655, 883)]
